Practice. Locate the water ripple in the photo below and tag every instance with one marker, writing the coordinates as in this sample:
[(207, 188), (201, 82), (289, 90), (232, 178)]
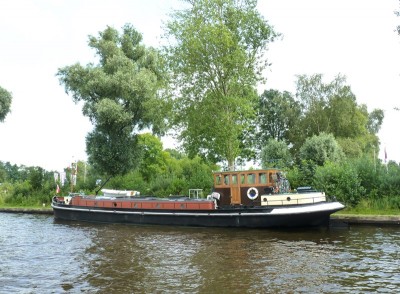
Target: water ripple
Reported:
[(40, 255)]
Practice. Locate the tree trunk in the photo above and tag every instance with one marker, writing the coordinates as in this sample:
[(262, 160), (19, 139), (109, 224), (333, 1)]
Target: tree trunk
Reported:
[(231, 164)]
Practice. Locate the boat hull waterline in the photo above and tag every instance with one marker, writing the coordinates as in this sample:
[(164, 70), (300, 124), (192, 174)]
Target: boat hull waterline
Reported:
[(257, 217)]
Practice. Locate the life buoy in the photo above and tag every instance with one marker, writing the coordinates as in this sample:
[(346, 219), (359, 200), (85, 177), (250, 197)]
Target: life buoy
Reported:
[(252, 193)]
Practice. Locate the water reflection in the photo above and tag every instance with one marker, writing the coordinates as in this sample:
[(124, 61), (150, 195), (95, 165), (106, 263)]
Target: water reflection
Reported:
[(43, 255)]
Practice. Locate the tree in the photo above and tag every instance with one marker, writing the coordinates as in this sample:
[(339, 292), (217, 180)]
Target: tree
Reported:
[(321, 148), (347, 119), (5, 103), (216, 58), (332, 108), (36, 177), (323, 103), (153, 158), (278, 115), (341, 181), (275, 154), (352, 148), (121, 96), (375, 120)]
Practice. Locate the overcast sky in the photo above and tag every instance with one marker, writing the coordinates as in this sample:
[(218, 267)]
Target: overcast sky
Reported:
[(45, 128)]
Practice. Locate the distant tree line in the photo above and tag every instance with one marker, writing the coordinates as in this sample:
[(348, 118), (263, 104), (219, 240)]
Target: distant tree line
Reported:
[(358, 182), (159, 173)]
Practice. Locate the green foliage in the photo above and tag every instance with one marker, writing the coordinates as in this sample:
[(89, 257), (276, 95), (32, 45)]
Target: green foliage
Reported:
[(332, 108), (11, 173), (197, 173), (382, 206), (277, 116), (86, 178), (362, 184), (22, 189), (369, 173), (6, 189), (340, 180), (216, 60), (165, 185), (36, 177), (295, 178), (153, 158), (275, 154), (119, 94), (112, 153), (131, 181), (351, 147), (160, 174), (5, 103), (302, 174), (321, 148), (3, 174), (375, 120), (389, 183), (320, 100), (183, 174)]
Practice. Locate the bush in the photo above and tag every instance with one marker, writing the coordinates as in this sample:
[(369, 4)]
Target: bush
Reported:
[(341, 181), (321, 148)]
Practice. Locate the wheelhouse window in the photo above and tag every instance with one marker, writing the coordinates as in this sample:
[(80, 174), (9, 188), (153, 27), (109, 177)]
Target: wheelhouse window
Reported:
[(234, 179), (262, 178), (218, 180), (226, 179), (251, 179)]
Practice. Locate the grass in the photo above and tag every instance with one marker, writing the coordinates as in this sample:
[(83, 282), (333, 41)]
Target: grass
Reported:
[(28, 207), (25, 205), (357, 211), (383, 206)]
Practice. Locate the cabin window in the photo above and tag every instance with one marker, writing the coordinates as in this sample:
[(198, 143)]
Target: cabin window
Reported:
[(242, 177), (251, 179), (218, 180), (234, 179), (226, 180), (262, 179)]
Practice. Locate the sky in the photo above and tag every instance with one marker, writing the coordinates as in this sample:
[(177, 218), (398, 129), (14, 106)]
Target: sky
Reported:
[(37, 37)]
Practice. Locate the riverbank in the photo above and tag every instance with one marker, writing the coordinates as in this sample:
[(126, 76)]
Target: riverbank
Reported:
[(352, 219), (336, 219), (45, 210)]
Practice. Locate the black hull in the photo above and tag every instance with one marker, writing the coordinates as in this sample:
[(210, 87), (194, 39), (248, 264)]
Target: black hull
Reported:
[(311, 215)]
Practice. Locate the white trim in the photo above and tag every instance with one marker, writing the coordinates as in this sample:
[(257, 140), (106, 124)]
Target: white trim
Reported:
[(309, 208)]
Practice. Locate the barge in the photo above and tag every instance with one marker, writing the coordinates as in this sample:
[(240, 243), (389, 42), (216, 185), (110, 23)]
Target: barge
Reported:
[(240, 199)]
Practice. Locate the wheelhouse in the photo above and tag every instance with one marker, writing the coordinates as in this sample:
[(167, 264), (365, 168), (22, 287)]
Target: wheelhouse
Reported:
[(246, 187)]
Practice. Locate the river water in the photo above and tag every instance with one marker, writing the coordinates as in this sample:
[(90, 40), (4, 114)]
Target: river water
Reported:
[(43, 255)]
